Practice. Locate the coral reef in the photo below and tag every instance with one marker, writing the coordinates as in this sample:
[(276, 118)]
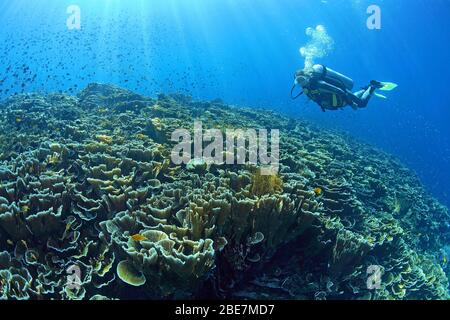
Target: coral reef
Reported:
[(91, 207)]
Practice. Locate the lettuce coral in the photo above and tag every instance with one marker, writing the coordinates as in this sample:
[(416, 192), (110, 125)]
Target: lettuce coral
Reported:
[(80, 176)]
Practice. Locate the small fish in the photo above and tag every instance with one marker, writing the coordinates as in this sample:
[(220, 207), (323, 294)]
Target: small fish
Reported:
[(105, 139), (141, 136), (318, 191), (35, 258), (139, 237)]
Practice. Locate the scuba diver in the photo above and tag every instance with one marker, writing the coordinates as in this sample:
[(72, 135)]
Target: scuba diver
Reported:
[(332, 90)]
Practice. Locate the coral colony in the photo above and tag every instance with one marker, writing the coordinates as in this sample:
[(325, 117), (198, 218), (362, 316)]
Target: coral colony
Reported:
[(241, 147), (92, 207)]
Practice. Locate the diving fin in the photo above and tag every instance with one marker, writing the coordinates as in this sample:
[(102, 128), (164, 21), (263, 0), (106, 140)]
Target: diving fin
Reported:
[(388, 86), (379, 95)]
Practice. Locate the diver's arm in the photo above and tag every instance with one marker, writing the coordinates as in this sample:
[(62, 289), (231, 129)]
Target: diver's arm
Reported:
[(327, 87)]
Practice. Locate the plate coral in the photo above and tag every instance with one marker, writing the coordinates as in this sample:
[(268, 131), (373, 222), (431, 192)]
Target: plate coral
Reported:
[(86, 182)]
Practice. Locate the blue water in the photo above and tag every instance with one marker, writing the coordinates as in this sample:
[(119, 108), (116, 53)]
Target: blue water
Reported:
[(245, 52)]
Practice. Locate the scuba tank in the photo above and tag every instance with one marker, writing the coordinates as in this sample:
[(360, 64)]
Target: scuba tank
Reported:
[(323, 73)]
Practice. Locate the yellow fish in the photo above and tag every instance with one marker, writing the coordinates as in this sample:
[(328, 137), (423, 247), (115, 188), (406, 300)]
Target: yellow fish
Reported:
[(318, 191), (141, 136), (105, 139), (139, 237)]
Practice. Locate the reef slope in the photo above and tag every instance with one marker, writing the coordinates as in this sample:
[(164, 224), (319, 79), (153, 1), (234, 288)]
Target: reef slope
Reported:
[(91, 207)]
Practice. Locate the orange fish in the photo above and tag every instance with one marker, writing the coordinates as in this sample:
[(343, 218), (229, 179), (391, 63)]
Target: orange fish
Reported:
[(139, 237), (318, 191)]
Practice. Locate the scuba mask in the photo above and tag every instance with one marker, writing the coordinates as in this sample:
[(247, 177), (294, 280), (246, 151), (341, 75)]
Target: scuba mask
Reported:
[(302, 80)]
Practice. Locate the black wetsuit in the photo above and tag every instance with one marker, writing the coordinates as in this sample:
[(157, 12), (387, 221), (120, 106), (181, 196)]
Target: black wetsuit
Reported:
[(334, 96)]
